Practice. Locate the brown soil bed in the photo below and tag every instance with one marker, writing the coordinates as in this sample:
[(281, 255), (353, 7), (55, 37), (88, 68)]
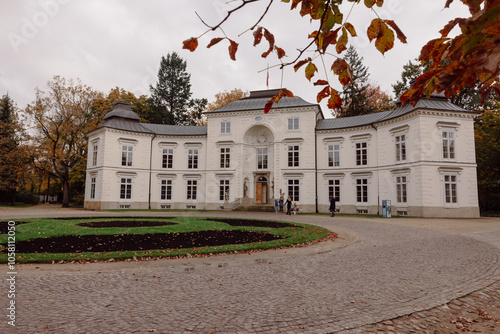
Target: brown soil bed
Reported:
[(252, 223), (125, 223), (111, 217), (137, 242)]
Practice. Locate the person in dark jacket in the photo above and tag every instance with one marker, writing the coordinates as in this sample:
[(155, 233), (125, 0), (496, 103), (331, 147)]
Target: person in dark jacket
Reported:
[(288, 206), (281, 204), (332, 205)]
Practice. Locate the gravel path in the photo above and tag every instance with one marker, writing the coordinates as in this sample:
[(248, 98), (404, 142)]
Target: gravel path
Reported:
[(385, 271)]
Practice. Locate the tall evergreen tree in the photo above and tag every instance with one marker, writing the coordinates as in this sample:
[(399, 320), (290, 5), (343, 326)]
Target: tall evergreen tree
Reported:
[(355, 96), (410, 73), (171, 96)]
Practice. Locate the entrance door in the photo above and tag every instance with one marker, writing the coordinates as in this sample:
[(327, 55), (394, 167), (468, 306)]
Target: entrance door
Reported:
[(261, 190), (259, 193)]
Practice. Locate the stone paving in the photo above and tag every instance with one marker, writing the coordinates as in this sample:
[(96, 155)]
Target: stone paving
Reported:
[(386, 272)]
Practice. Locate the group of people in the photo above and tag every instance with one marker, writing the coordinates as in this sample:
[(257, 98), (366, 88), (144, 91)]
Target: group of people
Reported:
[(290, 206), (279, 204)]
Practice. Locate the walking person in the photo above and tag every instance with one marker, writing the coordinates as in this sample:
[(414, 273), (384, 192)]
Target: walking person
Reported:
[(275, 205), (281, 204), (332, 205), (288, 206)]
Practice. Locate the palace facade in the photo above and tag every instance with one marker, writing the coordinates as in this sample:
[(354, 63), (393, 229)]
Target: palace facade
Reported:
[(421, 158)]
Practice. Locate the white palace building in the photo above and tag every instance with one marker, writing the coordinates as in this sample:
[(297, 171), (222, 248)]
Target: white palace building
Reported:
[(421, 158)]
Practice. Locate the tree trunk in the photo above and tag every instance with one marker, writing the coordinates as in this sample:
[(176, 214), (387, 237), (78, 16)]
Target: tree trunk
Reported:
[(65, 201)]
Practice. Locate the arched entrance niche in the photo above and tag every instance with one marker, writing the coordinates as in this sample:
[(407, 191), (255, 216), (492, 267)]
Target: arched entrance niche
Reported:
[(258, 161)]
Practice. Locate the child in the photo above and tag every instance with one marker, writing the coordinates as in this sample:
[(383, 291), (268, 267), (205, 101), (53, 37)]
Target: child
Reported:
[(295, 209)]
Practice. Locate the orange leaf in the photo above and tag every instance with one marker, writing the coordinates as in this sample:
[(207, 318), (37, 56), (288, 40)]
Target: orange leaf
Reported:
[(448, 27), (320, 83), (233, 47), (374, 29), (287, 92), (334, 101), (398, 31), (281, 52), (214, 41), (325, 92), (385, 40), (350, 28), (310, 70), (257, 35), (301, 63), (269, 105), (190, 44), (369, 3), (342, 42)]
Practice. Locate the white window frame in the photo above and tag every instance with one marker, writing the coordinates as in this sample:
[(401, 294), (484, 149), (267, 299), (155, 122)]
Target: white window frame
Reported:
[(191, 189), (446, 144), (335, 188), (225, 127), (400, 146), (224, 185), (125, 188), (168, 153), (293, 151), (165, 184), (293, 189), (450, 176), (93, 181), (362, 183), (262, 156), (402, 189), (361, 151), (293, 123), (333, 156), (95, 153), (225, 157), (193, 158), (127, 155)]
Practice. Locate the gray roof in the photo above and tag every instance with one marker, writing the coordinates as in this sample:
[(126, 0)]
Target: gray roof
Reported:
[(122, 110), (176, 130), (258, 99), (433, 103)]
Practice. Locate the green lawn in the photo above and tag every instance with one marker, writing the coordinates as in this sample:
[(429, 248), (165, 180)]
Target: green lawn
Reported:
[(52, 227)]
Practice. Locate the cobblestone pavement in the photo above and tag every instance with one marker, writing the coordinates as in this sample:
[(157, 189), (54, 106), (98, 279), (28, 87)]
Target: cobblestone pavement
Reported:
[(390, 278)]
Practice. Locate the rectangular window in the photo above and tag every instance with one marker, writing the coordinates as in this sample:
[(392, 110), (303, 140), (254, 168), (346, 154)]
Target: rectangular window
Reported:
[(334, 155), (362, 190), (401, 186), (293, 123), (192, 186), (225, 127), (127, 155), (450, 189), (167, 158), (334, 189), (400, 148), (262, 158), (361, 154), (293, 189), (92, 187), (293, 156), (166, 190), (448, 145), (223, 189), (94, 155), (192, 158), (125, 188), (225, 157)]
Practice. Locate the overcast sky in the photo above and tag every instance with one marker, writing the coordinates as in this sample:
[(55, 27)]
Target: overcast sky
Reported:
[(110, 43)]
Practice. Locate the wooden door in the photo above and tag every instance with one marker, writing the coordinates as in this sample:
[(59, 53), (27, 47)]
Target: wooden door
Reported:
[(259, 193)]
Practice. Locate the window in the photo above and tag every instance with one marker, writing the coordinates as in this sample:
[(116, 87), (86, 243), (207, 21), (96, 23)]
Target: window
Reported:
[(192, 158), (223, 189), (362, 190), (92, 187), (334, 155), (293, 189), (192, 186), (450, 189), (293, 156), (401, 185), (361, 154), (125, 188), (400, 148), (448, 144), (94, 155), (293, 123), (225, 157), (262, 158), (225, 127), (167, 158), (166, 190), (334, 189), (127, 155)]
